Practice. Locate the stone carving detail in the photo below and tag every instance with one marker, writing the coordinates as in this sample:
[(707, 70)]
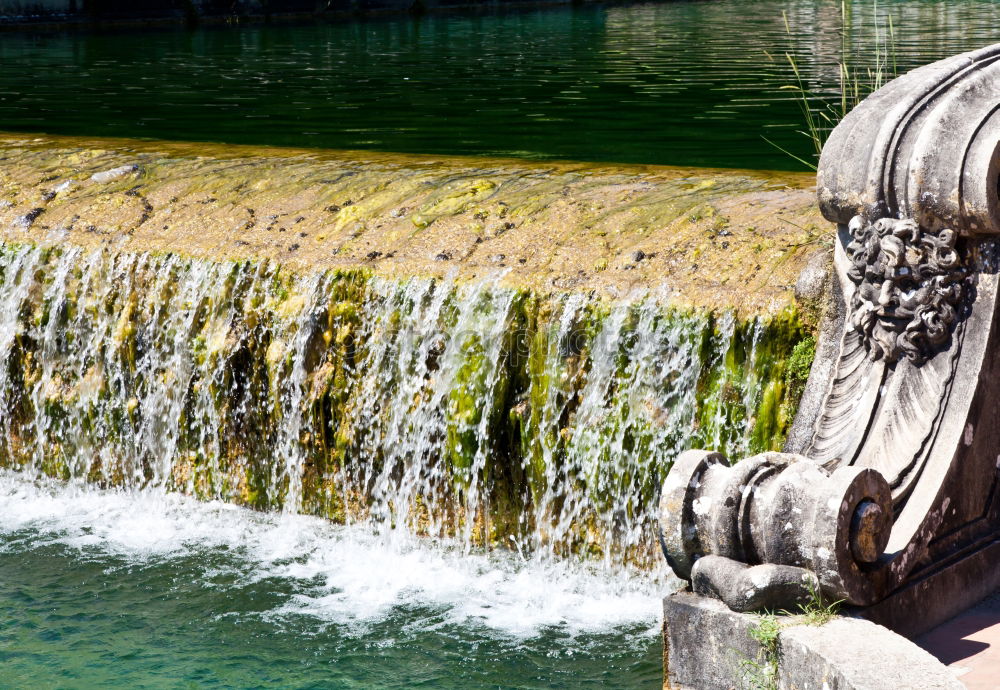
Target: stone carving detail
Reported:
[(759, 533), (910, 285), (887, 496)]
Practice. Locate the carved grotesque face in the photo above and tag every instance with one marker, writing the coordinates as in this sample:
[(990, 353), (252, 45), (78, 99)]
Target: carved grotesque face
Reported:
[(910, 282)]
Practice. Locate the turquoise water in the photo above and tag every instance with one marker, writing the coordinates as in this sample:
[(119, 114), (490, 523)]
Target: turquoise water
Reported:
[(686, 83), (144, 590)]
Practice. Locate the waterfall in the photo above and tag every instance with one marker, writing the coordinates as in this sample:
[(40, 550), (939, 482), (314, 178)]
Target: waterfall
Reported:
[(437, 406)]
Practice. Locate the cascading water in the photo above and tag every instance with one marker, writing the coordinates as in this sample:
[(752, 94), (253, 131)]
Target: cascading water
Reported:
[(463, 409), (143, 395)]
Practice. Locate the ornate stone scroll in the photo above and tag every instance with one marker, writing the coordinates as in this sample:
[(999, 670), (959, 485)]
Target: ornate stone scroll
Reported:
[(887, 495)]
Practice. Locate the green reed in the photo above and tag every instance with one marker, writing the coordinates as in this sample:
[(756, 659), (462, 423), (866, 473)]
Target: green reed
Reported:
[(858, 77)]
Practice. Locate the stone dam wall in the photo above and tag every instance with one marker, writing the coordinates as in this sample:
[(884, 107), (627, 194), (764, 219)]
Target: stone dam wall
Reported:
[(501, 351)]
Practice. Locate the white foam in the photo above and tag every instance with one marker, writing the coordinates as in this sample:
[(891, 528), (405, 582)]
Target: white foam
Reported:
[(344, 575)]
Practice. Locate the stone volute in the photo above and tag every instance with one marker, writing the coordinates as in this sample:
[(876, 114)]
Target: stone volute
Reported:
[(887, 495)]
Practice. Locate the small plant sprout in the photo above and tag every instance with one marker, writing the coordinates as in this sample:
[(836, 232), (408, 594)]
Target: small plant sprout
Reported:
[(818, 610), (762, 673)]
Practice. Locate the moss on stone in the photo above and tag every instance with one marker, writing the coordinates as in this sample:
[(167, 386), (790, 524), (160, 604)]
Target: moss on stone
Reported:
[(719, 239), (557, 381)]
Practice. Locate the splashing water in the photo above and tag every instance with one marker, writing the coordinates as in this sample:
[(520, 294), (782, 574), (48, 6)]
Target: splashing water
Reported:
[(345, 575), (148, 588), (424, 406)]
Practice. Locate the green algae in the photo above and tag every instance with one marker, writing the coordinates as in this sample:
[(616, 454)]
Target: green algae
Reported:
[(136, 369), (719, 239)]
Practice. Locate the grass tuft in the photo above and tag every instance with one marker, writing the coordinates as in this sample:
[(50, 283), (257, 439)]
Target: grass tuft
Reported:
[(858, 79)]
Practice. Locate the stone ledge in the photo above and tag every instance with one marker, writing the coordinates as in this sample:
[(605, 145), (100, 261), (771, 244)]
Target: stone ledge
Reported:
[(705, 642), (707, 238)]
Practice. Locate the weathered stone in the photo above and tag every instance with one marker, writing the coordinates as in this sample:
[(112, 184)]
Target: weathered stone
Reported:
[(888, 493), (775, 508), (909, 384), (550, 226), (709, 647), (743, 587), (811, 285), (909, 285), (114, 174), (705, 645), (855, 654)]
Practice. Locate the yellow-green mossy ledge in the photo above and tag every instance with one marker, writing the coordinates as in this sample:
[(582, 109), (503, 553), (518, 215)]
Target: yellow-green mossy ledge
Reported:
[(711, 238)]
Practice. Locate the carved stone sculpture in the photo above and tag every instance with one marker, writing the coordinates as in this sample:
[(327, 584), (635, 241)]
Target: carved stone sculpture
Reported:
[(908, 287), (888, 494)]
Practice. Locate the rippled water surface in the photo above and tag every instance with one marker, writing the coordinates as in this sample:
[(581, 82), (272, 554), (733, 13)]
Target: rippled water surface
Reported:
[(149, 590), (687, 83)]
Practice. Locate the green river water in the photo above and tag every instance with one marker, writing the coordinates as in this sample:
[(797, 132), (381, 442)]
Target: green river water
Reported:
[(151, 591), (139, 587), (681, 83)]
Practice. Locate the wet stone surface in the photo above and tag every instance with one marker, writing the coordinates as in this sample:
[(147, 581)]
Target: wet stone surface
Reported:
[(706, 238)]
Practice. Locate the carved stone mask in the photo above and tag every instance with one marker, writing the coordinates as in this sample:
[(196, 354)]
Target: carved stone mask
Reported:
[(910, 282)]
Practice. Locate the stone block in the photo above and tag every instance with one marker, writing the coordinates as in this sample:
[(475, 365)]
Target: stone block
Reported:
[(709, 647)]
